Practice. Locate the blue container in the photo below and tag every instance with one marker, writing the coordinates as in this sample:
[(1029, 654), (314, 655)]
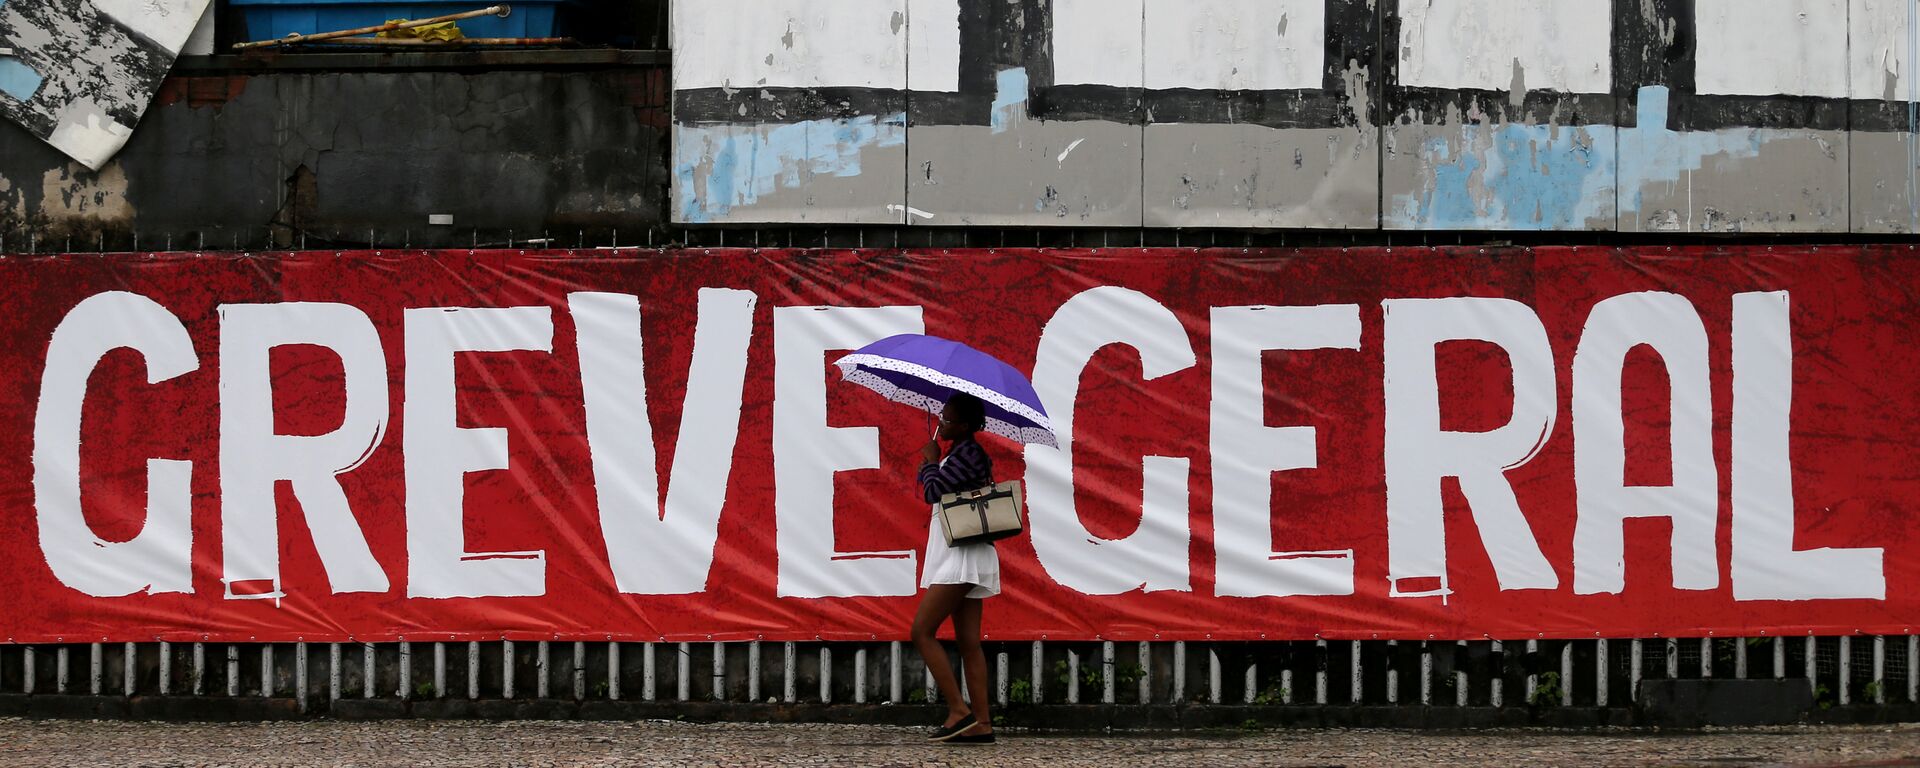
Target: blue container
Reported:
[(271, 19)]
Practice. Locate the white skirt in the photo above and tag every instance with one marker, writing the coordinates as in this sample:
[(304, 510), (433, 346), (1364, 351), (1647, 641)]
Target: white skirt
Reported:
[(975, 564)]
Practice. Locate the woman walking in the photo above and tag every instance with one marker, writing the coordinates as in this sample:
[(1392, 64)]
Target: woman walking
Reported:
[(957, 579)]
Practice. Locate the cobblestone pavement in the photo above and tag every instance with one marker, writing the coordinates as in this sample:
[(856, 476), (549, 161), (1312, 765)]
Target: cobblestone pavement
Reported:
[(419, 743)]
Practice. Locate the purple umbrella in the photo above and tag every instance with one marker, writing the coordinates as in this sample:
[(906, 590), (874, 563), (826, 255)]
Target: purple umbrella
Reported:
[(923, 371)]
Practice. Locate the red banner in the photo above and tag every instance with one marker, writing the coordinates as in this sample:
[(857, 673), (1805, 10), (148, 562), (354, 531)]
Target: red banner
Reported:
[(1280, 444)]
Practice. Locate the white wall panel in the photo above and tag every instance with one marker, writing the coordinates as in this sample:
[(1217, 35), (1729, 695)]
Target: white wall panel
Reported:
[(1557, 45), (790, 44), (1236, 44), (167, 23), (1769, 47), (933, 45), (1097, 42), (1882, 43)]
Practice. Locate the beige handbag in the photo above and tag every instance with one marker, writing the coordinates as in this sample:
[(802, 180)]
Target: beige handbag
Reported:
[(981, 515)]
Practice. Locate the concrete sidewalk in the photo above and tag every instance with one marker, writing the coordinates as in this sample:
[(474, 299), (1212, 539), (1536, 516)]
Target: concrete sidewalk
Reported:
[(421, 743)]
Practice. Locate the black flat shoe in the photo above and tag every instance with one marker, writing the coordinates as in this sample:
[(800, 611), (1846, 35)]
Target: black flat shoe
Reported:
[(949, 733), (984, 738)]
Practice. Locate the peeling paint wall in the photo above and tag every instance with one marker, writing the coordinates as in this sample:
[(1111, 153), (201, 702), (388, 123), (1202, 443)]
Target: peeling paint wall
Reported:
[(79, 73), (1653, 115)]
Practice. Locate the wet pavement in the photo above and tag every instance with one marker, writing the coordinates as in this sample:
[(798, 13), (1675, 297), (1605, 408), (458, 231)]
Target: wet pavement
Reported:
[(466, 743)]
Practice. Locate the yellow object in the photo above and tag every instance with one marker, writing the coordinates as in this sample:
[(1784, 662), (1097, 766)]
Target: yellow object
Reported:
[(445, 31)]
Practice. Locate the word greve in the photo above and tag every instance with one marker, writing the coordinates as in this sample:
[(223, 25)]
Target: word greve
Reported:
[(662, 547)]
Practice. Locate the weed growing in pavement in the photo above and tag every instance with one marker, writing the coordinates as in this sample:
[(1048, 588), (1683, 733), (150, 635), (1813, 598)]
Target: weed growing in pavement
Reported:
[(1272, 694), (1020, 692), (1547, 693)]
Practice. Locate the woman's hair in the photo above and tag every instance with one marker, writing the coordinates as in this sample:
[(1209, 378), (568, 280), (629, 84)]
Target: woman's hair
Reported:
[(968, 410)]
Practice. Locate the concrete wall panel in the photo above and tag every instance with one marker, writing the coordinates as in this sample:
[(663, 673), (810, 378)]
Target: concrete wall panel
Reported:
[(760, 132), (1741, 132), (1500, 117), (836, 171), (1029, 173), (1261, 114), (1025, 147), (1885, 140), (1467, 174), (1885, 182), (1729, 179)]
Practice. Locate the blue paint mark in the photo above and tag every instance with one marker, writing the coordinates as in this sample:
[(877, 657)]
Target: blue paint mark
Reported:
[(17, 79), (1009, 98), (1526, 177), (722, 167), (1543, 177), (1653, 154)]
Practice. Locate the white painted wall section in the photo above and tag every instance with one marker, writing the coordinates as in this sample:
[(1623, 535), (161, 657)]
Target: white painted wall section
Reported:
[(790, 44), (1098, 42), (1236, 44), (1883, 44), (167, 23), (933, 45), (1771, 47), (1552, 45)]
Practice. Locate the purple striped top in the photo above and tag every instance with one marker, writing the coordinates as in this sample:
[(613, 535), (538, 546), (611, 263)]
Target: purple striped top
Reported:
[(967, 467)]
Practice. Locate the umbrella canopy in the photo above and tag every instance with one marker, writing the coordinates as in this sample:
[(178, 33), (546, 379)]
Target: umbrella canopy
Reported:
[(923, 371)]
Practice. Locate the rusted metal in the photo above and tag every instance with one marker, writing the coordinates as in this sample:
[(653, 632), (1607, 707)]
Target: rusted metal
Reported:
[(492, 10)]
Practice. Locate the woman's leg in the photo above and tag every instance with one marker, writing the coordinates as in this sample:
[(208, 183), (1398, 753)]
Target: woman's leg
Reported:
[(941, 601), (966, 631)]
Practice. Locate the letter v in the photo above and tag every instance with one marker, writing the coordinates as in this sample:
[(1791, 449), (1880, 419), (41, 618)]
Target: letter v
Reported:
[(656, 551)]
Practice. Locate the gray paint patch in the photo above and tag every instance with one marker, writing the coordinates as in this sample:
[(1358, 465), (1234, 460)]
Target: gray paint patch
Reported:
[(1025, 175), (1253, 176), (1791, 184), (1884, 181)]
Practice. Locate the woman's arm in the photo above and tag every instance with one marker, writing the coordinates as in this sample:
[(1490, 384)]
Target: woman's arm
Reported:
[(963, 470)]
